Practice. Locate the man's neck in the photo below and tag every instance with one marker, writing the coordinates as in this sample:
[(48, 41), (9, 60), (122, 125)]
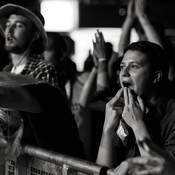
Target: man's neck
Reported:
[(19, 59), (151, 101)]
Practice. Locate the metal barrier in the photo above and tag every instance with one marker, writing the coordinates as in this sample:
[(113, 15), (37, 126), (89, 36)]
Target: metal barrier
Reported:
[(37, 161)]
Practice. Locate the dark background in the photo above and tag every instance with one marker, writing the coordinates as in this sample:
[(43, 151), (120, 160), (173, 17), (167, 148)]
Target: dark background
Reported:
[(106, 13)]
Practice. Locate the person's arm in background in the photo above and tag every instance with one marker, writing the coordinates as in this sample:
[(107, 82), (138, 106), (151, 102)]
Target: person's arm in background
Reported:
[(151, 34), (126, 28), (97, 79), (100, 50), (149, 30), (89, 88)]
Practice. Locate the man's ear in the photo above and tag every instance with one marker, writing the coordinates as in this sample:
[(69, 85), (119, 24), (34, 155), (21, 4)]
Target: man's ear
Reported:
[(157, 76)]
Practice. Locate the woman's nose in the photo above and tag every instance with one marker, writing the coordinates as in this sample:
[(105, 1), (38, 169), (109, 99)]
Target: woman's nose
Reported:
[(3, 141)]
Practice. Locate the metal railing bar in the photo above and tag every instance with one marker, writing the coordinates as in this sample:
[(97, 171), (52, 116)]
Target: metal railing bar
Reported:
[(60, 159)]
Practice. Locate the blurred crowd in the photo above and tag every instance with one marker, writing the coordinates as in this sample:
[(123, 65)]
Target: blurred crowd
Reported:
[(119, 111)]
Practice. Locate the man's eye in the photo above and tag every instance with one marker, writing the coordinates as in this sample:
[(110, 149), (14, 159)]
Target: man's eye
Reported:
[(134, 66), (19, 25), (122, 67)]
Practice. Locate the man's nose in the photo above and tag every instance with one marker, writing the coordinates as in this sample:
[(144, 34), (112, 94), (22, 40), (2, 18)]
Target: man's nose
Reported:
[(10, 29), (125, 71), (3, 141)]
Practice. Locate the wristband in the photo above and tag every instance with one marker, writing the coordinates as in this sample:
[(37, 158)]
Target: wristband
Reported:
[(102, 59)]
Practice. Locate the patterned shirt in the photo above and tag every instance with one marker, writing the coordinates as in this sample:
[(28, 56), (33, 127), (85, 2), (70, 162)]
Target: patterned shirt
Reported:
[(37, 68)]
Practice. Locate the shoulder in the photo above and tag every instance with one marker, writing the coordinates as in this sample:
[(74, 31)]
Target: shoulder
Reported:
[(167, 107), (39, 63), (170, 104), (39, 60)]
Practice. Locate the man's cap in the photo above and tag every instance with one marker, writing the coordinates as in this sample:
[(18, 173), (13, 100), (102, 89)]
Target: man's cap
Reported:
[(34, 15)]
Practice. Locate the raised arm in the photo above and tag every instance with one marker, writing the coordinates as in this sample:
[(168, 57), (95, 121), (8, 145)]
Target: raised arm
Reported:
[(126, 28), (88, 88), (150, 31), (151, 34), (100, 52)]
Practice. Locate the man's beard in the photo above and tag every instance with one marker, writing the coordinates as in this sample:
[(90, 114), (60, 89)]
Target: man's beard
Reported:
[(15, 49)]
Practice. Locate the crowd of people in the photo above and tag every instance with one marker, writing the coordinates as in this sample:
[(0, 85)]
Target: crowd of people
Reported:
[(118, 112)]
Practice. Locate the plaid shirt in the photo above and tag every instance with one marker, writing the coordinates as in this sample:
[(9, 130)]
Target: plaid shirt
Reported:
[(37, 68)]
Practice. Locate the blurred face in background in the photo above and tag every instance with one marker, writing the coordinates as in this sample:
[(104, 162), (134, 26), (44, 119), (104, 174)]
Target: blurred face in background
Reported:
[(51, 56)]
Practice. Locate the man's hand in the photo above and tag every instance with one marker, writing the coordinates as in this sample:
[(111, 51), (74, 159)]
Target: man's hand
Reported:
[(114, 109), (134, 109)]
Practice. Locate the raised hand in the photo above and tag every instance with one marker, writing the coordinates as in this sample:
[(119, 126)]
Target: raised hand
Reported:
[(141, 7), (131, 9), (99, 45)]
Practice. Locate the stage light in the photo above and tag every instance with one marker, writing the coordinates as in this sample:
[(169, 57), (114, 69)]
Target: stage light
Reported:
[(60, 15)]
